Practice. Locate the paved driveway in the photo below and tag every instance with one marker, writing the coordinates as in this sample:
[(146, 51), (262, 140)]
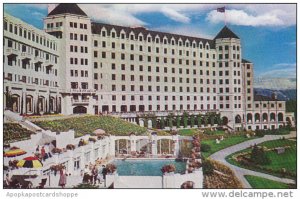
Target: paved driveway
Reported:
[(241, 172)]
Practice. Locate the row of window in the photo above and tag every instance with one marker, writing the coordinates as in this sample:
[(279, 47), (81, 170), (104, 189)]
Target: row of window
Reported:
[(81, 25), (157, 40), (30, 50), (74, 36), (265, 105), (75, 61), (226, 47), (26, 64), (83, 73), (174, 89), (149, 49), (173, 79), (83, 49), (83, 85), (30, 35), (57, 25), (29, 80), (181, 107)]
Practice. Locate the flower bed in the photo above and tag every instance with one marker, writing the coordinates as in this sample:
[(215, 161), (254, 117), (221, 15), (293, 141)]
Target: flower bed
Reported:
[(88, 124), (222, 177), (13, 132)]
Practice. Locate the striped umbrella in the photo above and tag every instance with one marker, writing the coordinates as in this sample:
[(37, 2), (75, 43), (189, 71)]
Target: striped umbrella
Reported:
[(13, 152), (30, 162)]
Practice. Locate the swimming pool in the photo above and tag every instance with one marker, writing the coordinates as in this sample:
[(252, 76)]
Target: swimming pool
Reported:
[(146, 167)]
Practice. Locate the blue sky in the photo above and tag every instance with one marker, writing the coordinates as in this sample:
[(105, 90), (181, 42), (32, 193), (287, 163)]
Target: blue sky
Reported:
[(267, 31)]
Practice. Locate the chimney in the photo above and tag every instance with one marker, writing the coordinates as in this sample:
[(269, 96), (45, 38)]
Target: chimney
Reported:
[(51, 7)]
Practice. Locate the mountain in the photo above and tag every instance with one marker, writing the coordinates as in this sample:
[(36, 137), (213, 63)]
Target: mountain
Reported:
[(284, 94)]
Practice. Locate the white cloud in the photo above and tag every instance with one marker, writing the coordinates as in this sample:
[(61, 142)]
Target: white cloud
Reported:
[(107, 14), (240, 17), (238, 14), (280, 70), (284, 72), (175, 15), (286, 65)]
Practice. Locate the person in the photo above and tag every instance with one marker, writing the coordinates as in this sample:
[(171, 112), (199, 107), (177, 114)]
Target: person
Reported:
[(63, 178), (104, 172), (8, 180), (100, 177), (95, 174), (47, 149), (37, 148), (86, 174), (43, 153)]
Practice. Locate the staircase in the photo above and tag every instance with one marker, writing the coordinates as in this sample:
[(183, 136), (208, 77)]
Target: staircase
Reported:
[(230, 129), (14, 117)]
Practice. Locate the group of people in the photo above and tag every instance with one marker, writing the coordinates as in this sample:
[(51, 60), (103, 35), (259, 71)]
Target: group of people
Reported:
[(94, 174), (43, 152)]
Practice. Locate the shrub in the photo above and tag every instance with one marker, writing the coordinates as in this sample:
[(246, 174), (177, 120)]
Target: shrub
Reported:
[(258, 156), (56, 150), (91, 139), (205, 147), (111, 168), (70, 147), (208, 167), (86, 186), (168, 168)]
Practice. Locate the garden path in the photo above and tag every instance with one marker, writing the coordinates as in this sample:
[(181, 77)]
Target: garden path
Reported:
[(241, 172)]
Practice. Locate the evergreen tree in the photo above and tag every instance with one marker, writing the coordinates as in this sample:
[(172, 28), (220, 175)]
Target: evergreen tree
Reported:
[(192, 121), (162, 123), (258, 156), (178, 121)]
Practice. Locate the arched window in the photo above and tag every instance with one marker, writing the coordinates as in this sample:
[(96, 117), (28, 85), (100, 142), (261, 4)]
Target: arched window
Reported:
[(280, 117), (265, 117), (272, 117), (257, 117), (238, 119), (249, 117)]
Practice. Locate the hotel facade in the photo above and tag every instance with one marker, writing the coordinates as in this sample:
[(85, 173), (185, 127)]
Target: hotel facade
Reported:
[(77, 66)]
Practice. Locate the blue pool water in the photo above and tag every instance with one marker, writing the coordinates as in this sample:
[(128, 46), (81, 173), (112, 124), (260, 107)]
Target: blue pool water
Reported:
[(146, 167)]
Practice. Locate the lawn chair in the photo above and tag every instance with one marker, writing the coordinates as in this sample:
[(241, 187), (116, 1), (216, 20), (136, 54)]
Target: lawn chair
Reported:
[(42, 184)]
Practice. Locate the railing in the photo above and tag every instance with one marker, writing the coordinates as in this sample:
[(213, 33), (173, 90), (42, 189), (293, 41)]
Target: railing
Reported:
[(80, 101), (82, 90), (11, 51)]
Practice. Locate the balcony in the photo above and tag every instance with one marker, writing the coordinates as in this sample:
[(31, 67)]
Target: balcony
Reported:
[(82, 90), (11, 51), (80, 101), (38, 59), (54, 29), (25, 55)]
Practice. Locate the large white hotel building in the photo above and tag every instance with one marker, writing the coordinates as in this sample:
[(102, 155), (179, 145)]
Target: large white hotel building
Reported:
[(77, 66)]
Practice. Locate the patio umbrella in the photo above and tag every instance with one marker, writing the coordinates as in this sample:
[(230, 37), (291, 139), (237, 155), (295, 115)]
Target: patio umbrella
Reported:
[(99, 132), (30, 162), (14, 152)]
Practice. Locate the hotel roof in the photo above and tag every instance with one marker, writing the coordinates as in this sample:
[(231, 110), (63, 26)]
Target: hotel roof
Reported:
[(97, 27), (226, 33), (67, 8)]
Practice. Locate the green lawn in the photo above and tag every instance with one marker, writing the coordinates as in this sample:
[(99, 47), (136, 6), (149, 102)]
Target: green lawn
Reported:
[(287, 160), (88, 124), (227, 142), (263, 183), (187, 132)]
